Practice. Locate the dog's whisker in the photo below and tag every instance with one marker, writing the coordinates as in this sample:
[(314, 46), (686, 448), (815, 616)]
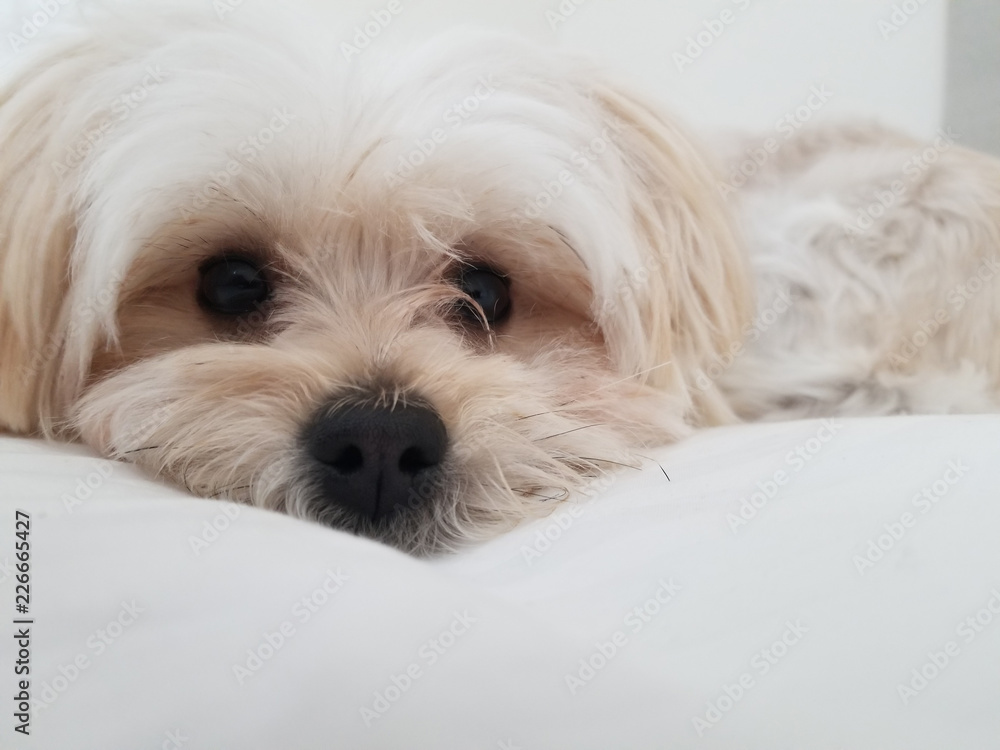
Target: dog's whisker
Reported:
[(618, 382), (139, 450), (647, 458), (532, 416), (609, 461), (575, 429), (533, 493), (232, 488)]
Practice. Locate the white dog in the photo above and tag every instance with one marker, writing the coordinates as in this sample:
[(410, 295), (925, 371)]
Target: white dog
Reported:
[(421, 296)]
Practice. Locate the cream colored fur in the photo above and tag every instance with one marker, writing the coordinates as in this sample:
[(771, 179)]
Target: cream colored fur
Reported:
[(889, 248), (602, 213)]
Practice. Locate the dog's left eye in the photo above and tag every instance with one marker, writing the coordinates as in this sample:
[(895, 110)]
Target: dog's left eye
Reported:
[(489, 290), (233, 286)]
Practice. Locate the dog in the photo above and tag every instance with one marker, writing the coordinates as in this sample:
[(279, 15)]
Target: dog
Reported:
[(423, 296)]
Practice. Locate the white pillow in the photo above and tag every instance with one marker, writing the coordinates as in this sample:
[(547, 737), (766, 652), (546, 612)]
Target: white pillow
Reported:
[(807, 585)]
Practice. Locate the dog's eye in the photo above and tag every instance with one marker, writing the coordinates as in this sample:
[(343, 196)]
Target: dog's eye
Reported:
[(232, 286), (489, 290)]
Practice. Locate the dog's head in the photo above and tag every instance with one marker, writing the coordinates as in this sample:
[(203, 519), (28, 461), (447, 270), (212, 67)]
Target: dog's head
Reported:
[(418, 296)]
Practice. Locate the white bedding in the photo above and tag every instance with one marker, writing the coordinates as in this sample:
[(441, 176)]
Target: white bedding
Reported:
[(767, 631)]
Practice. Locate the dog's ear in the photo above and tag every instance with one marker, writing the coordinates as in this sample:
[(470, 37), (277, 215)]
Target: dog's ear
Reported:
[(677, 313), (36, 234)]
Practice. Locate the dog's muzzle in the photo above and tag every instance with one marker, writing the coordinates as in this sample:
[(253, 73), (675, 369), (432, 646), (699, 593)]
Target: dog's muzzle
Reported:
[(375, 460)]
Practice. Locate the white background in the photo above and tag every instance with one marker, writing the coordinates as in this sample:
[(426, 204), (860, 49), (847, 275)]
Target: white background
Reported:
[(760, 68)]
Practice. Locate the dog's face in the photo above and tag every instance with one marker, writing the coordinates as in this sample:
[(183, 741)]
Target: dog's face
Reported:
[(418, 297)]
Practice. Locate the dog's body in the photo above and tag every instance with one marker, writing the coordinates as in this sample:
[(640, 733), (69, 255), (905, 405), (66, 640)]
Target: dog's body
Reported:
[(875, 257), (421, 298)]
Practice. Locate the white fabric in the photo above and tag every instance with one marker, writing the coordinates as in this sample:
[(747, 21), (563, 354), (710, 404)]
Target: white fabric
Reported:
[(160, 608)]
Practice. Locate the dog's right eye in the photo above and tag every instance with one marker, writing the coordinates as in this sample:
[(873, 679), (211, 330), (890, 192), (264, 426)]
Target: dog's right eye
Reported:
[(232, 286)]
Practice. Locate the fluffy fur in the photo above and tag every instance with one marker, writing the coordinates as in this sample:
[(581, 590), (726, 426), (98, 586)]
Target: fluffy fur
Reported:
[(136, 149), (889, 250)]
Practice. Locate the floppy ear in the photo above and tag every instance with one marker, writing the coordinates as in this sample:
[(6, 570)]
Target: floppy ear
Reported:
[(36, 234), (690, 298)]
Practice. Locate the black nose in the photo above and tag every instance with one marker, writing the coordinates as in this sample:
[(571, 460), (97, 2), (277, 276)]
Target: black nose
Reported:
[(374, 460)]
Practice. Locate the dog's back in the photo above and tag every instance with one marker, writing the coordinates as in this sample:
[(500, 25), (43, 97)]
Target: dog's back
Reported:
[(875, 257)]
